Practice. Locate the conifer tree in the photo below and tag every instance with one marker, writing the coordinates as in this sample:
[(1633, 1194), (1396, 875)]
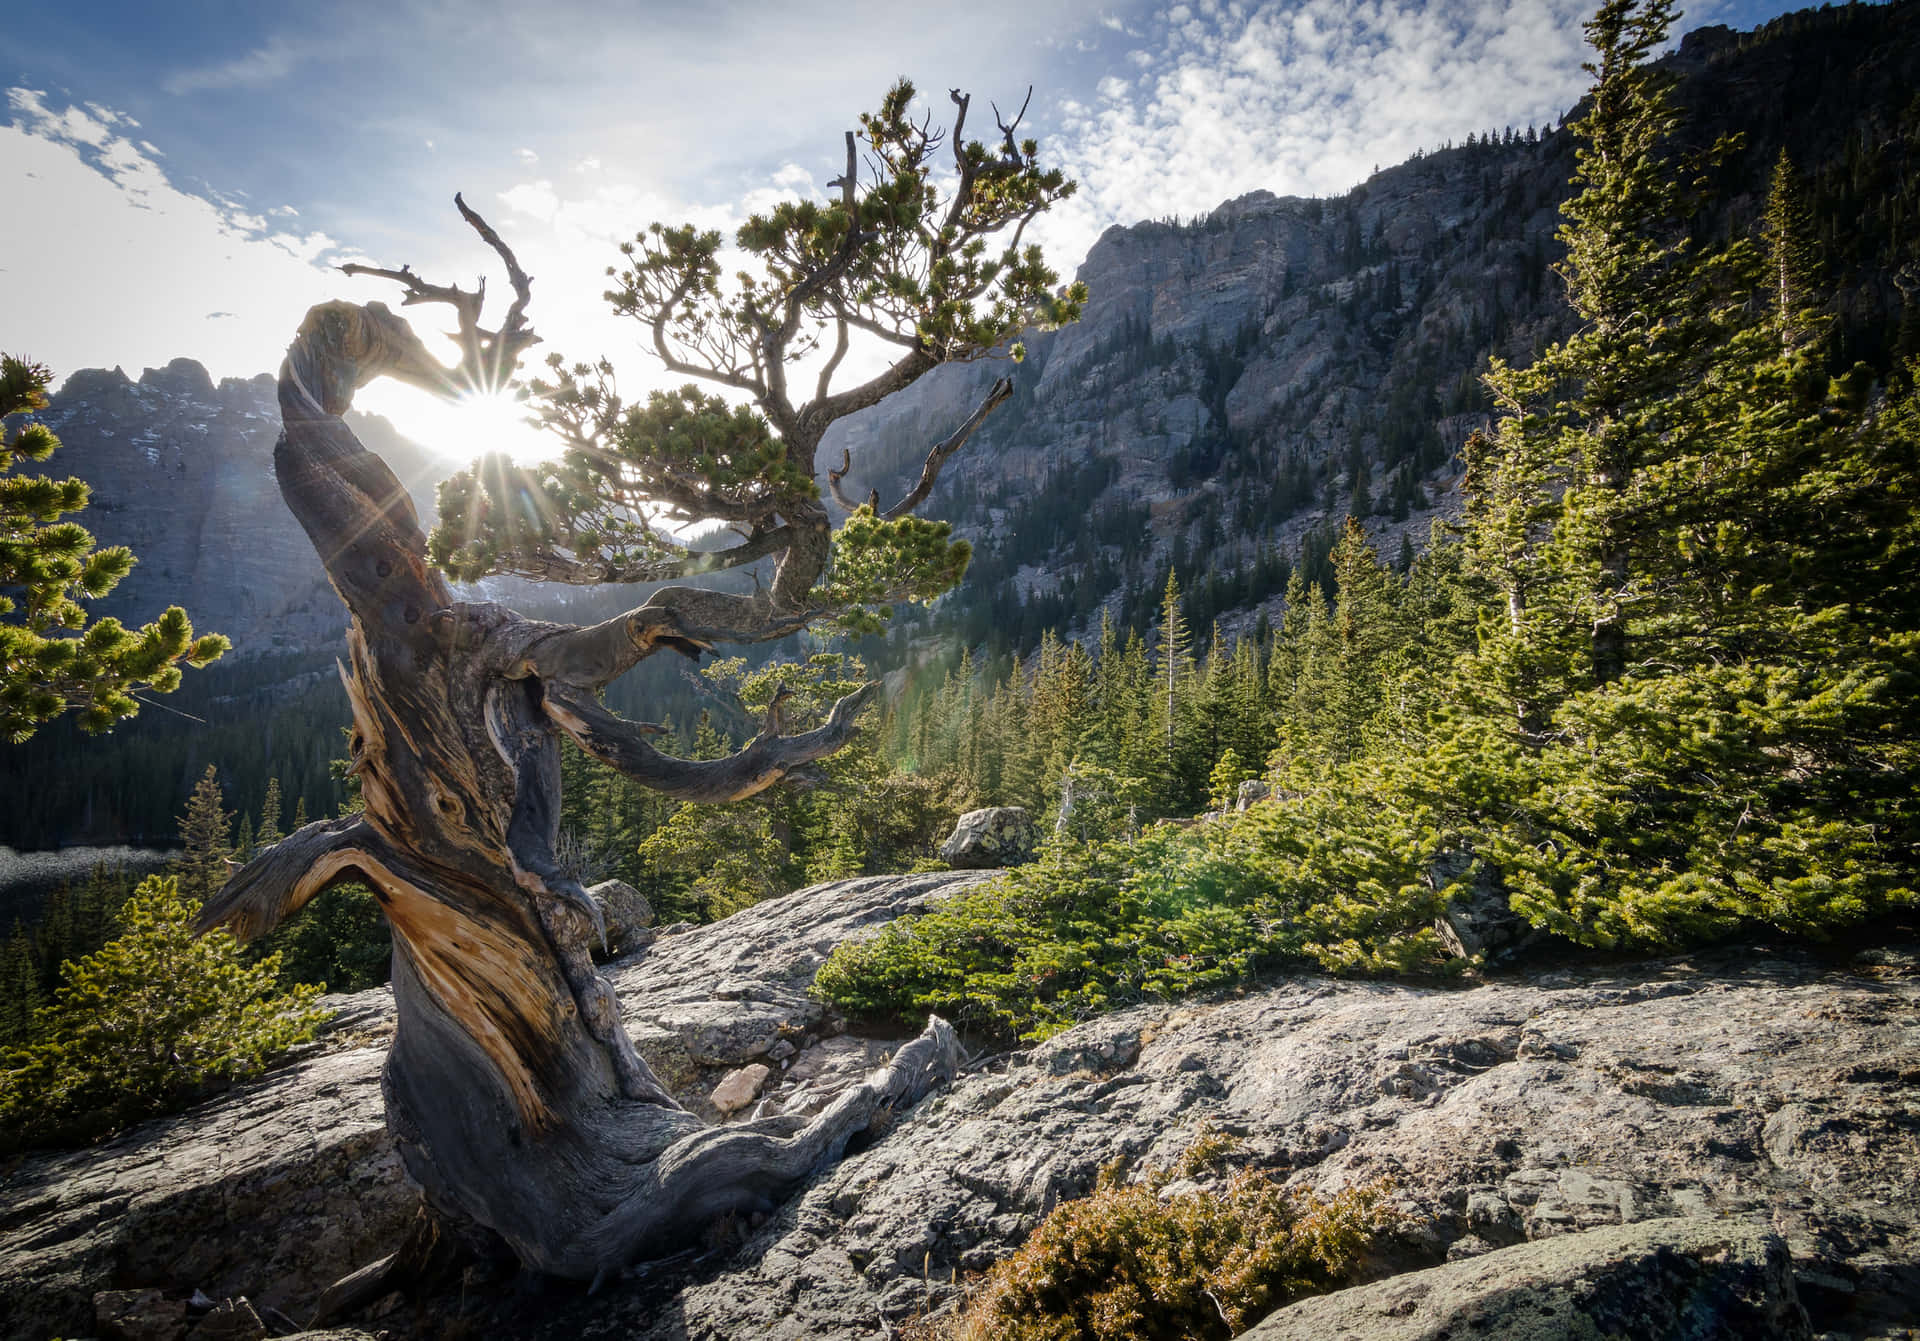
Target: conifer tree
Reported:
[(1792, 263), (269, 831), (205, 836), (52, 659), (148, 1020), (1701, 542)]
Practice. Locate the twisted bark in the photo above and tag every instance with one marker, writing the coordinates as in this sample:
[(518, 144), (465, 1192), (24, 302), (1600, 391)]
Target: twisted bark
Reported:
[(518, 1102)]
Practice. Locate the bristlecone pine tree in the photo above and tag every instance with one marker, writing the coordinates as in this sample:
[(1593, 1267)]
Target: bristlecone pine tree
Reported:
[(51, 659), (517, 1100)]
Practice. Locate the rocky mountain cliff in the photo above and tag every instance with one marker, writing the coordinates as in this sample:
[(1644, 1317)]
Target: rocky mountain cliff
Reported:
[(1242, 380), (182, 473), (1239, 382), (1732, 1134)]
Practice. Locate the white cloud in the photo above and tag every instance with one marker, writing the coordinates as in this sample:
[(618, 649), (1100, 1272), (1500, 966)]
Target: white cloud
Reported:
[(265, 65), (1305, 98), (115, 265)]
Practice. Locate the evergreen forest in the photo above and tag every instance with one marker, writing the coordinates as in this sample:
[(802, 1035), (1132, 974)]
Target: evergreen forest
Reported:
[(1657, 684)]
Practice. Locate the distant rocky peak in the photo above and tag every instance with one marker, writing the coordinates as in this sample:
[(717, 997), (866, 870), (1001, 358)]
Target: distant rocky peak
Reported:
[(181, 377)]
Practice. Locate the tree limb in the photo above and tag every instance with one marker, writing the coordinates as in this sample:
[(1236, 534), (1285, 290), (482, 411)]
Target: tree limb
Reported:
[(278, 882), (930, 472), (766, 759), (487, 358)]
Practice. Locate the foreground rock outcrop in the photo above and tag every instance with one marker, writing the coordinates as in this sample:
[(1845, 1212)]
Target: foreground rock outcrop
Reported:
[(283, 1186), (1766, 1094), (1705, 1280)]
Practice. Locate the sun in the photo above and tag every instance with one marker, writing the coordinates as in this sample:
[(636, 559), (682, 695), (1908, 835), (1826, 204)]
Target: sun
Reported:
[(461, 430), (488, 424)]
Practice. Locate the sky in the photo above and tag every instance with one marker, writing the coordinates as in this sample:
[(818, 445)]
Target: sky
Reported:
[(182, 177)]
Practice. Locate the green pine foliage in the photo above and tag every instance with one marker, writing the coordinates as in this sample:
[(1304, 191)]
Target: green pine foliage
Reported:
[(145, 1024), (75, 920), (52, 660), (1665, 688)]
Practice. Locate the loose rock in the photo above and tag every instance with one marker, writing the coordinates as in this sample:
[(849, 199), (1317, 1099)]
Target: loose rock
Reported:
[(739, 1088), (994, 837), (628, 915)]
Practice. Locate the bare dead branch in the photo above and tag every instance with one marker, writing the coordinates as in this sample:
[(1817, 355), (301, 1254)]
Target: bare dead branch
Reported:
[(280, 881), (1010, 153), (937, 458), (515, 321), (765, 760), (488, 359)]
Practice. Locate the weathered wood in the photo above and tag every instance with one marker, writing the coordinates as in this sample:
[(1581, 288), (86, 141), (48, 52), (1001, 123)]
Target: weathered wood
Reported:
[(518, 1102)]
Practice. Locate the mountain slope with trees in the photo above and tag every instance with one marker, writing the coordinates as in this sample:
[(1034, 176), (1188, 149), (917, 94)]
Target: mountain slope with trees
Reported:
[(1240, 382)]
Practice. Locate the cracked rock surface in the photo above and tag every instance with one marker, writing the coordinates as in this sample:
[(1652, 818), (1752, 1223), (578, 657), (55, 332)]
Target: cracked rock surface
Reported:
[(284, 1185), (1768, 1086), (1772, 1087)]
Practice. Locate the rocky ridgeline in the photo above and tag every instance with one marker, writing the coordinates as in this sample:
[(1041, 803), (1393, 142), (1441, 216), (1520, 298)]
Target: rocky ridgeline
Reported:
[(1742, 1126), (1337, 333), (181, 472)]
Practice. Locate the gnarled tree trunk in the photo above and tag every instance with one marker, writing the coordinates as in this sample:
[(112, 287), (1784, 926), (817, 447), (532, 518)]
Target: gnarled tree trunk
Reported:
[(518, 1101)]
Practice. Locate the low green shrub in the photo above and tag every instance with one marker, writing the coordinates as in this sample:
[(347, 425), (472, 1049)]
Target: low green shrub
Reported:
[(145, 1024), (1326, 878), (1145, 1261)]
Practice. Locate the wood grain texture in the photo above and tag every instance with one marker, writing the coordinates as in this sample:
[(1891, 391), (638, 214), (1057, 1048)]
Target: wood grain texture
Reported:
[(516, 1097)]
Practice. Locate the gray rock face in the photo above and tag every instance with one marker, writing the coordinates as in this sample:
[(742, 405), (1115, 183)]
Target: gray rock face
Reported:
[(1736, 1085), (283, 1186), (181, 472), (1229, 369), (1706, 1280), (1522, 1110), (994, 837), (273, 1192)]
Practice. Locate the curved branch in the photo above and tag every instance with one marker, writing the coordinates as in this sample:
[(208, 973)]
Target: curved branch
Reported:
[(767, 758), (937, 458), (278, 882), (487, 358), (550, 566), (875, 389)]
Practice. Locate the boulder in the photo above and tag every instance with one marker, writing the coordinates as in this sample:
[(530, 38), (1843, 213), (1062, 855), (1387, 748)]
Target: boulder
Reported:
[(1705, 1280), (628, 915), (1477, 919), (1251, 791), (994, 837)]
